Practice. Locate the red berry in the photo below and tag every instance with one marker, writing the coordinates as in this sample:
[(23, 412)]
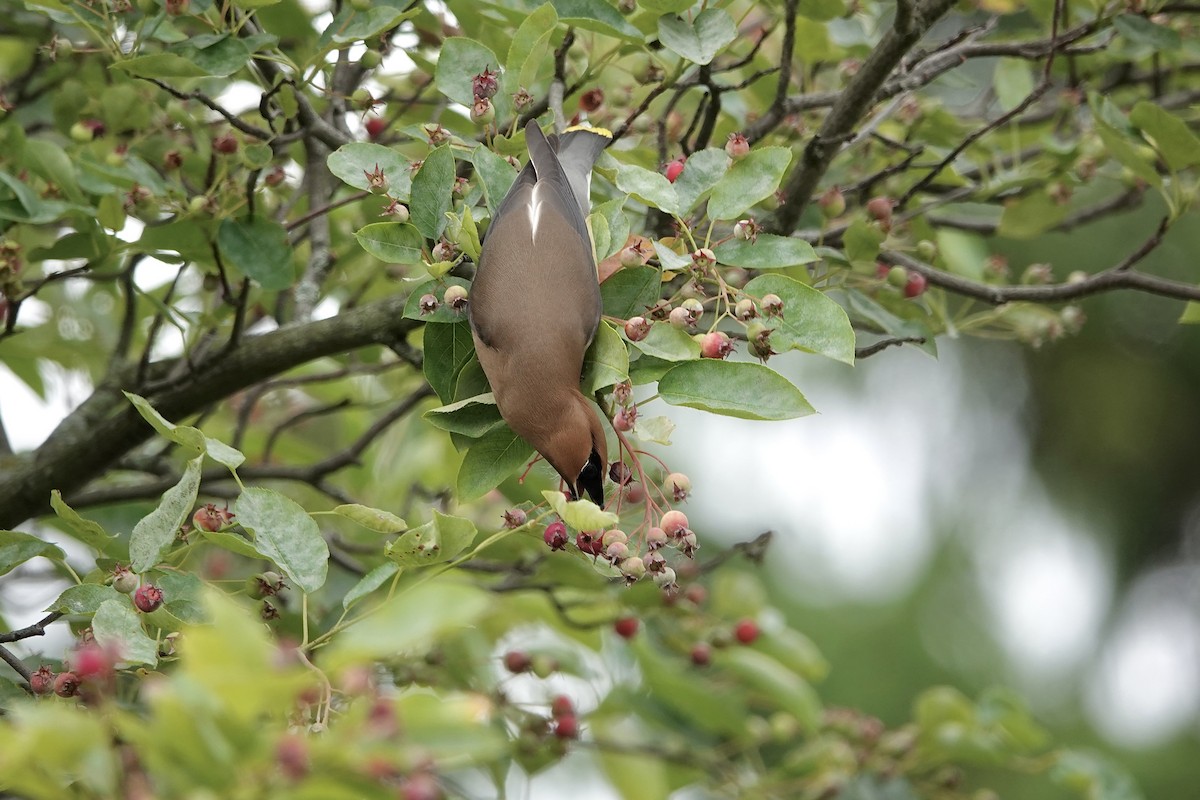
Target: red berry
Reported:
[(484, 84), (93, 662), (626, 627), (746, 631), (291, 754), (635, 493), (588, 543), (226, 143), (66, 684), (567, 727), (832, 203), (715, 345), (915, 286), (420, 786), (701, 654), (561, 706), (147, 598), (625, 418), (673, 169), (517, 661), (210, 518), (555, 536), (42, 680), (375, 127), (591, 100), (880, 208)]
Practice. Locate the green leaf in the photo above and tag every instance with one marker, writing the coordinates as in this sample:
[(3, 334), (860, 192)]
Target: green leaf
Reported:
[(496, 174), (84, 599), (448, 348), (964, 253), (606, 362), (629, 292), (528, 48), (1180, 147), (669, 343), (734, 389), (754, 178), (371, 22), (768, 252), (596, 15), (154, 534), (431, 191), (223, 454), (666, 6), (85, 530), (1092, 776), (651, 188), (582, 515), (259, 249), (472, 417), (184, 435), (698, 39), (370, 582), (220, 56), (459, 61), (654, 429), (613, 212), (493, 457), (117, 624), (1150, 35), (780, 686), (411, 621), (16, 548), (811, 321), (462, 231), (444, 314), (1120, 148), (1191, 314), (435, 542), (160, 65), (373, 519), (392, 242), (286, 534), (183, 596), (351, 163), (1030, 216), (1013, 82), (700, 174), (233, 543)]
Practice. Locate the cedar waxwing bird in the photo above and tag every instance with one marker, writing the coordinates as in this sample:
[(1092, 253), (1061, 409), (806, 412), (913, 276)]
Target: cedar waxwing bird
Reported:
[(535, 306)]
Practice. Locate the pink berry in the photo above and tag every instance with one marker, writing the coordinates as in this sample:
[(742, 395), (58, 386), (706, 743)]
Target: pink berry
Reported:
[(561, 706), (674, 524), (656, 537), (832, 203), (515, 518), (66, 684), (680, 317), (626, 627), (880, 208), (92, 662), (637, 328), (746, 631), (555, 536), (420, 786), (915, 286), (635, 493), (567, 727), (737, 146), (42, 680), (679, 485), (625, 419), (428, 304), (715, 345), (291, 754), (701, 654), (147, 598), (226, 143), (484, 84), (375, 127), (673, 169), (772, 305)]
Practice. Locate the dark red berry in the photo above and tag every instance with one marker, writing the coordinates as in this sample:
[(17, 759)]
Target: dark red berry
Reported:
[(915, 285), (42, 680), (555, 536), (291, 754), (66, 684), (226, 143), (589, 544), (375, 127), (561, 706), (746, 631), (701, 654), (147, 598), (567, 727), (517, 661), (626, 627)]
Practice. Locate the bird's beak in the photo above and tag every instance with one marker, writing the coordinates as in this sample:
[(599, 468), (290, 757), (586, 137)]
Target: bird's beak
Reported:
[(591, 480)]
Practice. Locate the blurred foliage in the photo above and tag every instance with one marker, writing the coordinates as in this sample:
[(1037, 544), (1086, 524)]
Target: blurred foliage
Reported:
[(246, 224)]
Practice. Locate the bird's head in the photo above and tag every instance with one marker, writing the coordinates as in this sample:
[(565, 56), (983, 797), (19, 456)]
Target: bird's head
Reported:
[(578, 451)]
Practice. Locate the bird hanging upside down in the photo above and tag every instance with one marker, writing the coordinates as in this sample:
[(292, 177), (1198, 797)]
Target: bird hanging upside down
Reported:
[(535, 306)]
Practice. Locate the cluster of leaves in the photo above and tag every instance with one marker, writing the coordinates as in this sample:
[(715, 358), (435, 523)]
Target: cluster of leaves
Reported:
[(380, 668)]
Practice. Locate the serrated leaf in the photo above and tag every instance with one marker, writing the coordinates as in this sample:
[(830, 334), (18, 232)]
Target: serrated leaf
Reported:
[(286, 534), (472, 417), (734, 389), (259, 249), (748, 182), (700, 38), (117, 624), (767, 252), (606, 362), (373, 519), (83, 599), (459, 61), (431, 192), (392, 242), (16, 548), (156, 532), (351, 163), (629, 292), (490, 459), (85, 530), (582, 515), (810, 321), (435, 542), (370, 582)]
